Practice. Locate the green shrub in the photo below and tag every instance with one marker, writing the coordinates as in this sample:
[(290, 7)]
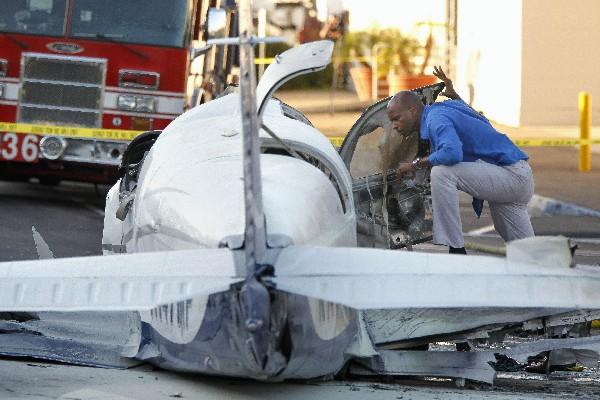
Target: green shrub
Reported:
[(398, 50)]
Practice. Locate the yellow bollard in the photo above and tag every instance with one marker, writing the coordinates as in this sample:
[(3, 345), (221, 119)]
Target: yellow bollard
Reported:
[(585, 122)]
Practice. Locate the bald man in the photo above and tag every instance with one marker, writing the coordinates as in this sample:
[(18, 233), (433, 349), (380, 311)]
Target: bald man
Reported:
[(467, 154)]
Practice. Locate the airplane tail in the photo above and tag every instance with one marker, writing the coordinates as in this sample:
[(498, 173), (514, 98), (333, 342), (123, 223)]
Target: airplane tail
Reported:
[(293, 62)]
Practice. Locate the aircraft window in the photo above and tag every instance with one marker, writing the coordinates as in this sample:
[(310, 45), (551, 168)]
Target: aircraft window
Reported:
[(277, 150), (291, 112), (381, 150)]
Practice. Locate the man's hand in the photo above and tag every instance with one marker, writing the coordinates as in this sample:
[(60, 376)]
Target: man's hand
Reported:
[(404, 168), (449, 91)]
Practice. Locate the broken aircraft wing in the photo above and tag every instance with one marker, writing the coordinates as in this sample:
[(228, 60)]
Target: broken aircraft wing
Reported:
[(117, 283), (377, 279)]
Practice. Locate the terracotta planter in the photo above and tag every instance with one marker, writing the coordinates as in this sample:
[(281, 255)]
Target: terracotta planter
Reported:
[(361, 77), (408, 82), (383, 88)]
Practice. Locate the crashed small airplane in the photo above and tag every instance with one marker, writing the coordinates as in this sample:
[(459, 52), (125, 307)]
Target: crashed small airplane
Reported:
[(240, 224)]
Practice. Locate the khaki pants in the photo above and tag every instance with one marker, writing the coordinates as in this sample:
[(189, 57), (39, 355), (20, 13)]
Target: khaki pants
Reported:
[(507, 189)]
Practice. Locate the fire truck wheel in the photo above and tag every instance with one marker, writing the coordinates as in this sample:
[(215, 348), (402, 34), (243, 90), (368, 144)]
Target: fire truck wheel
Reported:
[(48, 181)]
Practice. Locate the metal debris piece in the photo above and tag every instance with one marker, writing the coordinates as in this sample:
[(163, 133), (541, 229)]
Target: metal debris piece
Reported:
[(41, 247), (443, 364)]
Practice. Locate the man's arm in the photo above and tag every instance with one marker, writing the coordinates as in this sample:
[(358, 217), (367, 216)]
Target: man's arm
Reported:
[(449, 90), (448, 148), (418, 163)]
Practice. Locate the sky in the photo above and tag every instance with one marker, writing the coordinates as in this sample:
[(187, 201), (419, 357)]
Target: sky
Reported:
[(402, 14)]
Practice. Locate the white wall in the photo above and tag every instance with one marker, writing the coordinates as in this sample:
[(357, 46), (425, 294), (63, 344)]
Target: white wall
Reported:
[(488, 57), (527, 60), (561, 57)]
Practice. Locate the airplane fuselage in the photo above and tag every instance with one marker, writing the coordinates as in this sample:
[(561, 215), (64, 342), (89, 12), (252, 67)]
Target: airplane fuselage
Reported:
[(190, 190), (189, 195)]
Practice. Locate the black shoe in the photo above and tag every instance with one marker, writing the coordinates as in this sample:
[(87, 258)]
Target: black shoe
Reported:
[(457, 250)]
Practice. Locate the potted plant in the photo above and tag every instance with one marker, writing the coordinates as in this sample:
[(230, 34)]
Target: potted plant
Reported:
[(400, 61), (409, 61), (356, 48)]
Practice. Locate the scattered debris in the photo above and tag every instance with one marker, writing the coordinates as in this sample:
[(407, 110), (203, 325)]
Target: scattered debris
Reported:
[(506, 364), (41, 247)]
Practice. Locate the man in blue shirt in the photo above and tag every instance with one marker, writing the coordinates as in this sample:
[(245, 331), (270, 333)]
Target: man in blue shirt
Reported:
[(467, 154)]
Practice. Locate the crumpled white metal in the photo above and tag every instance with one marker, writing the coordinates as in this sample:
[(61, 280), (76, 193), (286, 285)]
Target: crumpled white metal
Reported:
[(547, 251)]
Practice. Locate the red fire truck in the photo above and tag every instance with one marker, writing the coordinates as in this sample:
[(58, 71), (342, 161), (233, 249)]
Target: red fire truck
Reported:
[(80, 78)]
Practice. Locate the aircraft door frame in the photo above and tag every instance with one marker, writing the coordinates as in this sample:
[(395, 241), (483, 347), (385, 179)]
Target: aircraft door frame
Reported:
[(391, 212)]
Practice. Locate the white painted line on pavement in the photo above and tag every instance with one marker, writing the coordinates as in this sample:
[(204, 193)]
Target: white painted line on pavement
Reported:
[(482, 235), (587, 253), (480, 231), (586, 240), (540, 205), (89, 207), (496, 236), (95, 210)]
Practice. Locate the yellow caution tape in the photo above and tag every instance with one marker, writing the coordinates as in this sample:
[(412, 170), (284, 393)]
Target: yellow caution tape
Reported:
[(596, 323), (264, 60), (88, 133), (269, 60), (124, 134), (554, 142), (337, 141)]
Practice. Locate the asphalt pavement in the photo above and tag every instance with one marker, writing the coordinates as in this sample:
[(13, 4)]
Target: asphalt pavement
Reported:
[(69, 217), (43, 380)]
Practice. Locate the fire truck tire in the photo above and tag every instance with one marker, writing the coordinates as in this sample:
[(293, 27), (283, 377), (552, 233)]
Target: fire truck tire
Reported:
[(49, 181)]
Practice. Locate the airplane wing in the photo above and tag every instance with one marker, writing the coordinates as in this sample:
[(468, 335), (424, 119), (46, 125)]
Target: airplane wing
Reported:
[(129, 282), (364, 278)]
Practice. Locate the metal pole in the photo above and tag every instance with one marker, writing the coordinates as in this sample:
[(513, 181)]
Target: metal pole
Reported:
[(451, 37), (255, 241), (374, 70), (334, 78), (585, 123), (262, 32)]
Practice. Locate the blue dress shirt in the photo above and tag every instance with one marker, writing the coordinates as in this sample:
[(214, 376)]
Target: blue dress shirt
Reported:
[(457, 133)]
